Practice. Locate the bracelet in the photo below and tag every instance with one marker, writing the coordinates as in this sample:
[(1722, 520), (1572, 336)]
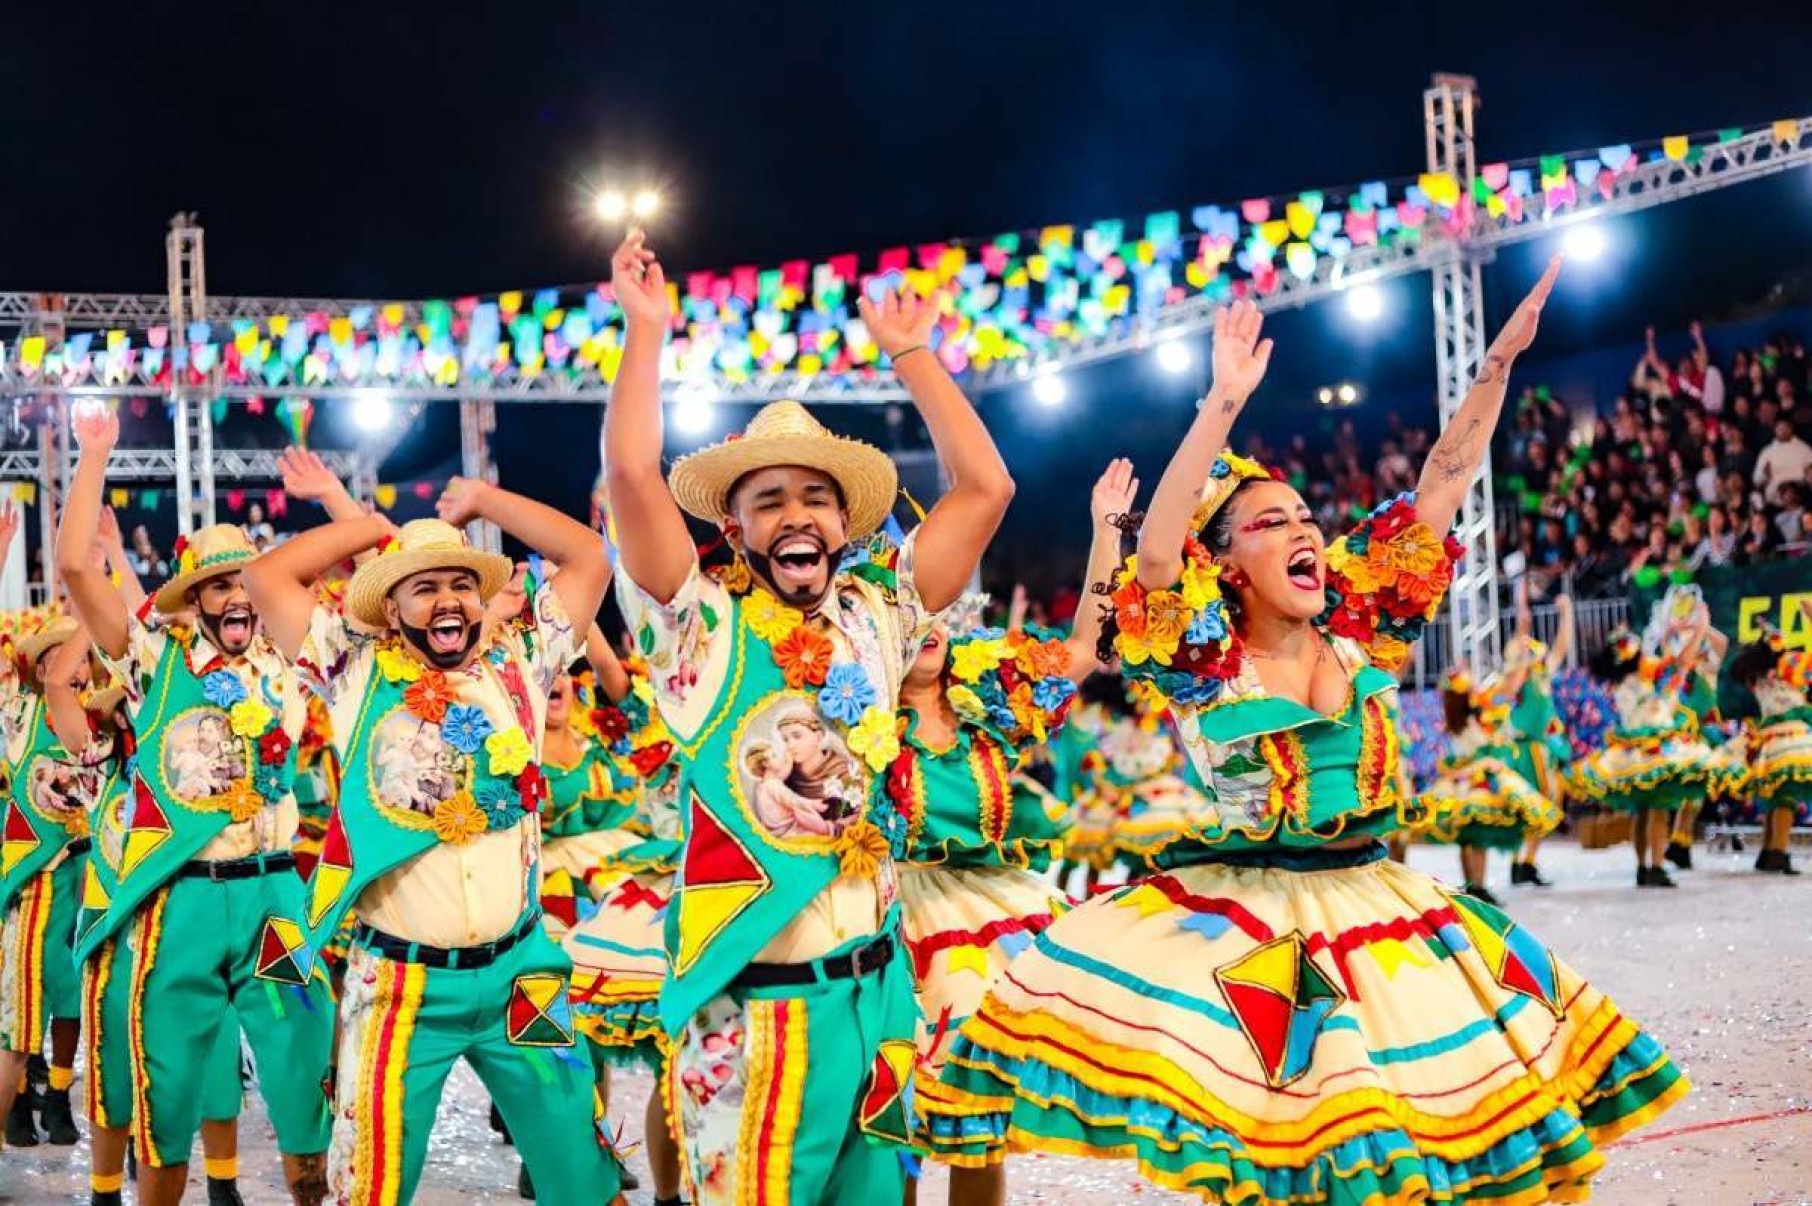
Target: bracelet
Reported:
[(901, 355)]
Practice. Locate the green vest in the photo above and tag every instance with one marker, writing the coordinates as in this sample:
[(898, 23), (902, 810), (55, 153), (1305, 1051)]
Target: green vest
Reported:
[(211, 751), (742, 878), (101, 879), (37, 825), (367, 836)]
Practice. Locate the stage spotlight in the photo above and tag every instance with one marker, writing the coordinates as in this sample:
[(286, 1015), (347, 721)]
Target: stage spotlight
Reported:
[(612, 205), (1049, 389), (1584, 242), (1348, 393), (1174, 357), (1325, 396), (371, 410), (695, 410), (1365, 303), (647, 202)]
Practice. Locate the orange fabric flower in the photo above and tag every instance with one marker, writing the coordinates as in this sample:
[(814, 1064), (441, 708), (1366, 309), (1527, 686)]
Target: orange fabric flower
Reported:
[(430, 696), (861, 849), (1047, 659), (458, 819), (1129, 607), (804, 656)]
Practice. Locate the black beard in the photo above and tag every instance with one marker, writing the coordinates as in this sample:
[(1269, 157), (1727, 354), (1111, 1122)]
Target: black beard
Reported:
[(211, 624), (441, 661), (763, 565)]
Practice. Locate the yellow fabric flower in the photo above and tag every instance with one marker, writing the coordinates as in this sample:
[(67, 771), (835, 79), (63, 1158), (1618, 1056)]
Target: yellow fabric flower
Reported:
[(397, 666), (1029, 715), (458, 819), (861, 849), (1136, 650), (1365, 577), (509, 751), (250, 718), (970, 661), (1388, 653), (876, 738), (1167, 617), (768, 618), (967, 703), (1201, 584), (1415, 550)]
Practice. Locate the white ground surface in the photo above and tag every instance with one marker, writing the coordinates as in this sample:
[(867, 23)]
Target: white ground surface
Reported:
[(1720, 970)]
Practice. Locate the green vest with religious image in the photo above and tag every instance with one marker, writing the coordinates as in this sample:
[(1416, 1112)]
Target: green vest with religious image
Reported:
[(212, 751), (46, 804), (101, 876), (419, 768), (773, 796)]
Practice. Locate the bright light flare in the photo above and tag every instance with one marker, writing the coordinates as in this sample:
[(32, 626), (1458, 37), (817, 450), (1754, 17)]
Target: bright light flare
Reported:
[(1173, 357), (1584, 242), (1365, 303), (372, 410), (1049, 389)]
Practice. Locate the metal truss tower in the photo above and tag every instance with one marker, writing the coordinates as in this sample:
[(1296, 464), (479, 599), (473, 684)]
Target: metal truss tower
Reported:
[(194, 425)]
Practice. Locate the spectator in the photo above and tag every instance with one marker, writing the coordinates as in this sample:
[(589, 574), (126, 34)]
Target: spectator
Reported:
[(1785, 460), (257, 529), (1791, 521), (146, 561)]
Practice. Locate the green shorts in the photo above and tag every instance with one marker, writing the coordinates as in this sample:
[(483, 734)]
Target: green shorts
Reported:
[(38, 976)]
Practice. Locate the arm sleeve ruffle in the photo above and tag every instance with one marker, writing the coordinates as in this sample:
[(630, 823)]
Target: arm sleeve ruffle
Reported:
[(1386, 579)]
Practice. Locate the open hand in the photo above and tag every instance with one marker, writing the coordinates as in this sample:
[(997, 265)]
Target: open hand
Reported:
[(1519, 332), (306, 476), (9, 525), (640, 284), (97, 429), (900, 320), (462, 501), (1240, 357), (1114, 493)]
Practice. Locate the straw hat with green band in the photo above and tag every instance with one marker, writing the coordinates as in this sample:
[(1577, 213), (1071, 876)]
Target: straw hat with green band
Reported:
[(39, 643), (209, 553), (421, 545), (783, 433)]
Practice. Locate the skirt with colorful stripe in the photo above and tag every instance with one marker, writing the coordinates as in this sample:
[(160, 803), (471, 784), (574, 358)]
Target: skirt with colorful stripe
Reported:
[(577, 868), (1780, 760), (1654, 770), (619, 960), (1484, 803), (1325, 1026), (962, 926)]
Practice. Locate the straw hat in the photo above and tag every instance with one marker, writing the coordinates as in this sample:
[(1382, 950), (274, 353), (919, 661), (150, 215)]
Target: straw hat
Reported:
[(422, 545), (104, 701), (209, 553), (1224, 477), (35, 646), (784, 434)]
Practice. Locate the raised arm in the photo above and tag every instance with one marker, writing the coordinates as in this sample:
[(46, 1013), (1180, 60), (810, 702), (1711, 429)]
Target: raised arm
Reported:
[(118, 564), (581, 567), (102, 608), (63, 698), (1455, 458), (651, 532), (282, 581), (957, 530), (1111, 501), (1240, 361), (307, 477), (9, 528), (606, 666), (1562, 648)]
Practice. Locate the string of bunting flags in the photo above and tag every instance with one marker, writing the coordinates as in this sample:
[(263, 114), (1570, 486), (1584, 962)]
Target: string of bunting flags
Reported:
[(1019, 296), (274, 501)]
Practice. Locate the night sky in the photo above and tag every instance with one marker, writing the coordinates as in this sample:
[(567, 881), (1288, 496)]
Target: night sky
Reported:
[(440, 150)]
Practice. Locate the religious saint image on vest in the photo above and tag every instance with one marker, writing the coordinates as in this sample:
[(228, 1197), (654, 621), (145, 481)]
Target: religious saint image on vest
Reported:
[(412, 767), (60, 791), (202, 756), (797, 776)]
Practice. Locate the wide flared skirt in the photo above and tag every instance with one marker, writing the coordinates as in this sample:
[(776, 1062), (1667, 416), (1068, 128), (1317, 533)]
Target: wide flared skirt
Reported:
[(1780, 764), (1484, 804), (962, 926), (1266, 1035), (619, 960), (1658, 772)]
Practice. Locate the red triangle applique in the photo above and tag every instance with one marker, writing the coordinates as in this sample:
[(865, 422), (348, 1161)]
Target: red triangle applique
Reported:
[(1265, 1017), (522, 1012), (882, 1088), (335, 851), (714, 856), (18, 828), (146, 812)]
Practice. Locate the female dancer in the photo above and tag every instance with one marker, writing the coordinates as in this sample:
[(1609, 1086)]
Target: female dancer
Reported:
[(970, 846), (1281, 1015), (1540, 751), (1780, 747), (1477, 801)]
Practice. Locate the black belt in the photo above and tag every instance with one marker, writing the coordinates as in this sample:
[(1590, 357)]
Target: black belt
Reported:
[(79, 846), (459, 958), (859, 962), (221, 869)]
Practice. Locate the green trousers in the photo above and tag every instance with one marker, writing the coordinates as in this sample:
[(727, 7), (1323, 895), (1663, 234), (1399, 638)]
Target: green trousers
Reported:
[(38, 976), (404, 1024), (107, 1043), (797, 1095), (203, 951)]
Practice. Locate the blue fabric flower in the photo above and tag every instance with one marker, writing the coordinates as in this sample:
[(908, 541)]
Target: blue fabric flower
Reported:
[(892, 825), (1219, 469), (1209, 625), (1003, 718), (501, 804), (1050, 693), (267, 780), (465, 727), (1190, 690), (846, 693), (223, 689)]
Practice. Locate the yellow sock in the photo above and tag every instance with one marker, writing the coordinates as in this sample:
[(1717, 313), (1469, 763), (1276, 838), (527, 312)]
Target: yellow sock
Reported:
[(111, 1183), (223, 1170), (61, 1078)]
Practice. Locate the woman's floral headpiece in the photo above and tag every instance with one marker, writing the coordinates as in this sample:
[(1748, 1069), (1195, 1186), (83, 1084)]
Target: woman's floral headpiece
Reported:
[(1224, 477)]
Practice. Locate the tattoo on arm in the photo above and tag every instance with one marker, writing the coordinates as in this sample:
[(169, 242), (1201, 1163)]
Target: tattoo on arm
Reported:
[(1455, 461), (1494, 370), (1231, 404)]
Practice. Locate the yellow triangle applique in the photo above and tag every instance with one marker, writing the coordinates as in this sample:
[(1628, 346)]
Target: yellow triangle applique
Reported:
[(703, 913), (1271, 966)]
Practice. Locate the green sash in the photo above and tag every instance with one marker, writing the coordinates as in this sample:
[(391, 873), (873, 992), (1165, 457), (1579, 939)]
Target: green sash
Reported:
[(743, 879), (195, 772), (37, 827), (393, 749)]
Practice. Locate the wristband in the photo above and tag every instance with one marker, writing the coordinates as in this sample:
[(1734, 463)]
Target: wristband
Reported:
[(901, 355)]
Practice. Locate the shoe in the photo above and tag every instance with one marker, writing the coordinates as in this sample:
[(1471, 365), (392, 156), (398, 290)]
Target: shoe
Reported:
[(1528, 873), (1680, 855), (21, 1131), (1654, 877), (500, 1126), (1785, 865), (1768, 861), (525, 1188), (1519, 873), (224, 1193), (1481, 892), (110, 1198), (58, 1119), (1736, 843)]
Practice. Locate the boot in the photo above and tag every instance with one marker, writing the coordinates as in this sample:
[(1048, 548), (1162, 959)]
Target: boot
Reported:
[(1519, 873), (224, 1193), (1481, 892), (1786, 864), (1680, 855), (110, 1198), (1654, 877), (58, 1120), (1766, 861), (21, 1130), (500, 1126), (525, 1187), (1528, 873)]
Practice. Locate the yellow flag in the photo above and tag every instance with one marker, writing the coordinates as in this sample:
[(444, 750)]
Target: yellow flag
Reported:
[(1786, 131), (118, 497), (386, 496), (25, 492), (1675, 147)]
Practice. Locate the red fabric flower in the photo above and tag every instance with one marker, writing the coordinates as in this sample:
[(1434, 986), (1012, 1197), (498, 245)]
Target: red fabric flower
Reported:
[(273, 747), (899, 783), (611, 723), (532, 785), (1356, 618), (651, 758), (804, 656), (1396, 517)]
